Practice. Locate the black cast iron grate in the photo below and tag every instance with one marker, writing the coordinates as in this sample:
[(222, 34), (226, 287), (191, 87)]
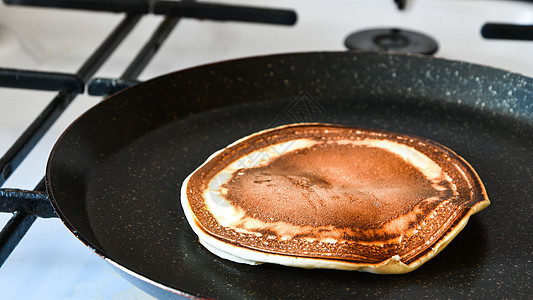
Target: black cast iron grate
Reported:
[(25, 205)]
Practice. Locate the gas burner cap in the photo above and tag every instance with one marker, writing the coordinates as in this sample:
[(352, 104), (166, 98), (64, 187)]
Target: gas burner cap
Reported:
[(392, 39)]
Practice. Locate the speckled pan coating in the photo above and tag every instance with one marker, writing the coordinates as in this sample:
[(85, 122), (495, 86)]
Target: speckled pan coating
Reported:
[(114, 176)]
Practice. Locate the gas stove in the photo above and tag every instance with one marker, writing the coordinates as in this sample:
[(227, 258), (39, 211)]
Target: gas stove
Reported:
[(49, 262)]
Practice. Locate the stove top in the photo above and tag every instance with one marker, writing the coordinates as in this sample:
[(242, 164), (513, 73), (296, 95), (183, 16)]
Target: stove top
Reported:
[(49, 262)]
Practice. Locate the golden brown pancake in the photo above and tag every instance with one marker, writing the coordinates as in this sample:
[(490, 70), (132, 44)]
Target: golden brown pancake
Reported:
[(327, 196)]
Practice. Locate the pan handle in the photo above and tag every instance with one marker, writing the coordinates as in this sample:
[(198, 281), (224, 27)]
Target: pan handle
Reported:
[(107, 86), (28, 202)]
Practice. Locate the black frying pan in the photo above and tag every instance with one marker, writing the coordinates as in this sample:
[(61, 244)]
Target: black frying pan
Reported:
[(114, 176)]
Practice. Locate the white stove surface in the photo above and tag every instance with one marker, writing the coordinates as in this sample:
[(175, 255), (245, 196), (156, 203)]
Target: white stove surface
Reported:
[(50, 263)]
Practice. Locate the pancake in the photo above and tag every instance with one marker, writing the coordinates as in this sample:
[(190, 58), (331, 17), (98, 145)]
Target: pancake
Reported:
[(328, 196)]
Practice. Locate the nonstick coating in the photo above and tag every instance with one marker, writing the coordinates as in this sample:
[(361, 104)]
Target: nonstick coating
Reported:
[(115, 175)]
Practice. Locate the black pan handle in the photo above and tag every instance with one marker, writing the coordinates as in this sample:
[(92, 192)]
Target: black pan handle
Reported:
[(107, 86), (32, 203)]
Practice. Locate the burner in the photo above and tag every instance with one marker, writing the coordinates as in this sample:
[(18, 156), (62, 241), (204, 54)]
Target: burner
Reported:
[(394, 40)]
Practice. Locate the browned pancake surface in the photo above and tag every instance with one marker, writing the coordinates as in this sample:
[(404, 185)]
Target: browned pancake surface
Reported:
[(342, 186), (338, 200)]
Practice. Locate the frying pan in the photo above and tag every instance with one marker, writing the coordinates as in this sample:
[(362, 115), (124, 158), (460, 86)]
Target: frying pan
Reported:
[(114, 176)]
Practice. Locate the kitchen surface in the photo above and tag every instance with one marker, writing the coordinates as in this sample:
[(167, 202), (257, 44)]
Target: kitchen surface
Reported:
[(49, 262)]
